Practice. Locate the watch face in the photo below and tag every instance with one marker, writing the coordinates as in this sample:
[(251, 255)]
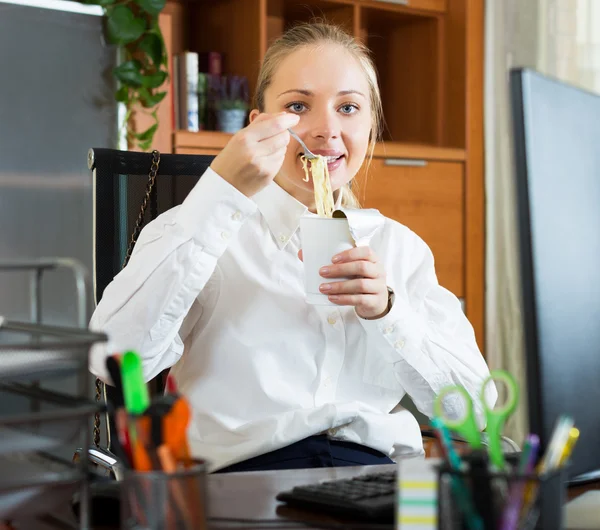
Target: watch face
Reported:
[(390, 298)]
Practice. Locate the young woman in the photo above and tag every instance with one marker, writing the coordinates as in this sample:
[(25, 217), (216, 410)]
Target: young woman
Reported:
[(215, 288)]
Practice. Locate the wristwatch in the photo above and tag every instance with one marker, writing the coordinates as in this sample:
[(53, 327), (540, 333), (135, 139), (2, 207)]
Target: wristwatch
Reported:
[(391, 298), (390, 303)]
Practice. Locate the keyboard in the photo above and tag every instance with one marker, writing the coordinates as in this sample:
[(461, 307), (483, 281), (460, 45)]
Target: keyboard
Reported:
[(369, 497)]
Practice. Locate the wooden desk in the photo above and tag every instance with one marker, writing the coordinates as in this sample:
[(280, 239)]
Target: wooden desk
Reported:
[(230, 495), (251, 495), (230, 498)]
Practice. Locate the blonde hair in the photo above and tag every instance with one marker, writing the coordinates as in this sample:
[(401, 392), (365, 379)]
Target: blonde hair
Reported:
[(312, 34)]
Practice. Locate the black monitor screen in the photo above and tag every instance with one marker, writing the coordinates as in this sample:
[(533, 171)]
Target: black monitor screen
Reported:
[(557, 154)]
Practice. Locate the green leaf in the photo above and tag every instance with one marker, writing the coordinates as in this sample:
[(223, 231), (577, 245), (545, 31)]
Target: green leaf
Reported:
[(148, 134), (129, 73), (154, 7), (122, 95), (152, 46), (154, 80), (149, 100), (144, 146), (122, 25)]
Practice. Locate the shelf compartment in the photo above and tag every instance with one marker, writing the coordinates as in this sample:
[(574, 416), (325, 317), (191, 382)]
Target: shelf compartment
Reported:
[(407, 54), (41, 419), (35, 483), (407, 6), (31, 351), (231, 27), (282, 14), (211, 142)]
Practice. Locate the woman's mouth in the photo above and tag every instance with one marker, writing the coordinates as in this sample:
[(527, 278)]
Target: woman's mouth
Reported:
[(334, 160)]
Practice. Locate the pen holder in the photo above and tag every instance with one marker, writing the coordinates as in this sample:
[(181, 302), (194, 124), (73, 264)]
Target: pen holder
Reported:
[(156, 500), (503, 500)]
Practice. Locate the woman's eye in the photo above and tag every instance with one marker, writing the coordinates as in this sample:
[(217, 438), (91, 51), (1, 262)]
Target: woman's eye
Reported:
[(296, 107), (348, 109)]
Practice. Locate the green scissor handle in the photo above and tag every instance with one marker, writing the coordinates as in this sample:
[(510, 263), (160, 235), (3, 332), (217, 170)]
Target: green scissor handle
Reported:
[(496, 418), (466, 426)]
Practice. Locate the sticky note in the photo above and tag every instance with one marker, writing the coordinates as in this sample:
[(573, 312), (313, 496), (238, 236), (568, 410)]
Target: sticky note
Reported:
[(417, 507)]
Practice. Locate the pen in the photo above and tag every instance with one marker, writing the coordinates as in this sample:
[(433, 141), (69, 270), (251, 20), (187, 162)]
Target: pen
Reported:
[(510, 517), (137, 400), (569, 445), (565, 453), (122, 444), (169, 465), (140, 433), (557, 444), (550, 460), (135, 390), (461, 494), (176, 424), (171, 386)]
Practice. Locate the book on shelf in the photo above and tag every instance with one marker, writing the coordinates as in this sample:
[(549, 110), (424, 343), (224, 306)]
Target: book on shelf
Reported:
[(196, 80), (211, 63), (185, 97)]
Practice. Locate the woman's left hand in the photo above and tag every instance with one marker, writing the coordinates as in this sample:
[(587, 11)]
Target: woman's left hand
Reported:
[(366, 290)]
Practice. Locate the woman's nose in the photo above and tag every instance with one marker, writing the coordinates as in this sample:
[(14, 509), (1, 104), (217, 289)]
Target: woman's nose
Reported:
[(324, 126)]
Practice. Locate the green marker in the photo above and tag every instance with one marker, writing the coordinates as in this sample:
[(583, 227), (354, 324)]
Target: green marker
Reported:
[(135, 391)]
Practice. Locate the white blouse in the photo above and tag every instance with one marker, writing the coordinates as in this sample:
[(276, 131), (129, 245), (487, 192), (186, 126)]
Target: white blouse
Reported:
[(215, 290)]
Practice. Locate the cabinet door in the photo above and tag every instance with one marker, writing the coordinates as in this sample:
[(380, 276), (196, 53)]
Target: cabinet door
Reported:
[(427, 197), (196, 151)]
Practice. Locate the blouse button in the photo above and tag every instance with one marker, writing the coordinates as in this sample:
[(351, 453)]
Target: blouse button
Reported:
[(388, 330), (225, 235), (399, 345), (332, 320), (237, 216)]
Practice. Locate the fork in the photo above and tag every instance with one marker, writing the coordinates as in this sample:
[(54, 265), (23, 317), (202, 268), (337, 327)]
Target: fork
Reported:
[(307, 153)]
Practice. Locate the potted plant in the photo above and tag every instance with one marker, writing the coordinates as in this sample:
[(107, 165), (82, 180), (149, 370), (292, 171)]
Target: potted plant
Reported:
[(232, 104), (132, 25)]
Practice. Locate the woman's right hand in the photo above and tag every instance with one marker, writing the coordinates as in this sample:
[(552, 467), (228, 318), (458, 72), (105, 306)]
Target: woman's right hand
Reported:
[(254, 155)]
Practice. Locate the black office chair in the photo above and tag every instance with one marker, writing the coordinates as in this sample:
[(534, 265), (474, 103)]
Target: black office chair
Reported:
[(131, 189)]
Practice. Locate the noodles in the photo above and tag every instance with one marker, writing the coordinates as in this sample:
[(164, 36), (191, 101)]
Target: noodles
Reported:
[(321, 184)]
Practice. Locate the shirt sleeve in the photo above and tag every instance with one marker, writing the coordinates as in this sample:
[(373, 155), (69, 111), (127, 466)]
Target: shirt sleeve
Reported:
[(425, 342), (175, 255)]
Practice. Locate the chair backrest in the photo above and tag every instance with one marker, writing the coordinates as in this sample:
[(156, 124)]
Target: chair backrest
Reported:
[(120, 180), (119, 183)]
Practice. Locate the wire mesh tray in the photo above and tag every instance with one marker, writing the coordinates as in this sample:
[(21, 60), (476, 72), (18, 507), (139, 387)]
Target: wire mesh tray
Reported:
[(41, 419), (32, 351), (35, 483)]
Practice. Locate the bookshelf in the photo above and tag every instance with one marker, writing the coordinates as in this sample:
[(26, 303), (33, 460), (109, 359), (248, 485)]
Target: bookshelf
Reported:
[(428, 171)]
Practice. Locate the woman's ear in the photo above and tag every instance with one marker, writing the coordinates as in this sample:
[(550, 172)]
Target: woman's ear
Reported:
[(254, 113)]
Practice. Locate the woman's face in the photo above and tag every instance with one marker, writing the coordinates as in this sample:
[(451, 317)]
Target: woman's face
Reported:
[(328, 89)]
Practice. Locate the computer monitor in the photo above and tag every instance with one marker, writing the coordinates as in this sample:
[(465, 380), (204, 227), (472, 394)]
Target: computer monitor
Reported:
[(557, 155)]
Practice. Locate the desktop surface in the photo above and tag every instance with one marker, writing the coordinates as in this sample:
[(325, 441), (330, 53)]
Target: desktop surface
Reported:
[(239, 497)]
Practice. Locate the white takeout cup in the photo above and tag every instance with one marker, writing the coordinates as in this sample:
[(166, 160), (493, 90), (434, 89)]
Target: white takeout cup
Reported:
[(322, 238)]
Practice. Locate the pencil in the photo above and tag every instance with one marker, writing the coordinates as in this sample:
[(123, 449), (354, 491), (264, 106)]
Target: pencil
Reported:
[(169, 466)]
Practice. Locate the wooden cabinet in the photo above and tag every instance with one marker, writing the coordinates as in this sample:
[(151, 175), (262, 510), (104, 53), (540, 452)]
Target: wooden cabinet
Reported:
[(428, 197), (429, 59)]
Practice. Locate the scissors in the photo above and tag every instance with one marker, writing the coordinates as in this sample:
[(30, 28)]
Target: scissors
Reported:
[(495, 418)]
